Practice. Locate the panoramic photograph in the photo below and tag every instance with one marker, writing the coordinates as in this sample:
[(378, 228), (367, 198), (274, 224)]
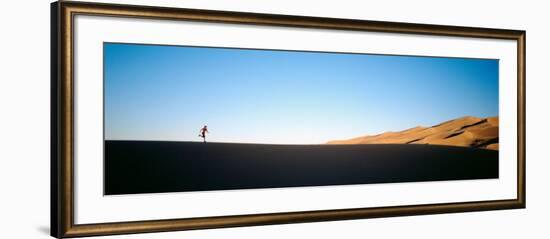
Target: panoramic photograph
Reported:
[(190, 118)]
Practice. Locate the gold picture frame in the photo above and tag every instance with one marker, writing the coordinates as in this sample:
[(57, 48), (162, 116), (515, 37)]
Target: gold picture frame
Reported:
[(62, 102)]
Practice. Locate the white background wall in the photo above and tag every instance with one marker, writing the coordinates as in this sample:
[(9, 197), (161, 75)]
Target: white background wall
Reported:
[(24, 119)]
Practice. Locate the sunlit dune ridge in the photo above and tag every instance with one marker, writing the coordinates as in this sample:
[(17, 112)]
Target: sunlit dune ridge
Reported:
[(466, 131)]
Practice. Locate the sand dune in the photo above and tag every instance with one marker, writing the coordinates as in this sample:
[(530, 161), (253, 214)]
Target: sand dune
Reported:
[(164, 166), (466, 132)]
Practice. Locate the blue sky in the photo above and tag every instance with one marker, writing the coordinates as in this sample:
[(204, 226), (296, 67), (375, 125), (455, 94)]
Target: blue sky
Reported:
[(157, 92)]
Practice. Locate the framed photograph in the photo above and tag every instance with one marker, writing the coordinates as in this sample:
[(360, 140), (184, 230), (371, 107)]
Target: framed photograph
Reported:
[(169, 119)]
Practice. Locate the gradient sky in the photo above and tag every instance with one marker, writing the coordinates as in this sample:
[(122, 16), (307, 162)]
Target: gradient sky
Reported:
[(285, 97)]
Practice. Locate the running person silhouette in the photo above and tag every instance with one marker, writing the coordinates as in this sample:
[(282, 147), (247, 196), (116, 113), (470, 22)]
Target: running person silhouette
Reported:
[(203, 132)]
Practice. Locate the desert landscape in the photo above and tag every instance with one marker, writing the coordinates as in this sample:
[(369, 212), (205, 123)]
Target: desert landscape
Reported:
[(460, 149), (466, 131)]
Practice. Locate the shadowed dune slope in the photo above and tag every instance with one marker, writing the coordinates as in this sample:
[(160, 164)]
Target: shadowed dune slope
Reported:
[(163, 166), (465, 132)]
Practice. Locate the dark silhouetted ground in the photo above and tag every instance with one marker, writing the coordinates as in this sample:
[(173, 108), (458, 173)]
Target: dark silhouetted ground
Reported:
[(156, 166)]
